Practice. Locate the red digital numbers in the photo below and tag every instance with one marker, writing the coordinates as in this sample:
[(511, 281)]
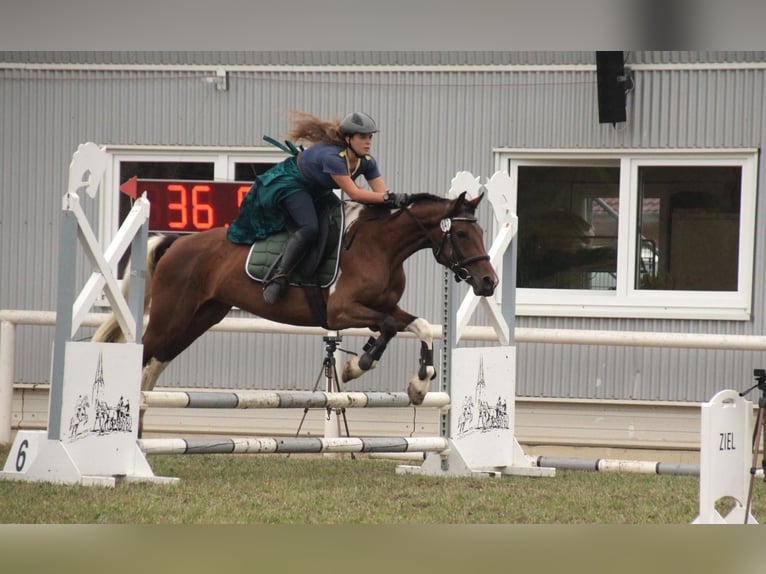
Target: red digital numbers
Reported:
[(190, 206), (241, 193), (195, 203)]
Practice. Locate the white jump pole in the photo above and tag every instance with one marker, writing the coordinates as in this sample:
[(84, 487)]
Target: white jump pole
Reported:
[(291, 445), (260, 399)]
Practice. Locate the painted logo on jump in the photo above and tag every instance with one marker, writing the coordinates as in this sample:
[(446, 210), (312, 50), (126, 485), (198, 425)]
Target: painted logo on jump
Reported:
[(479, 414), (94, 415)]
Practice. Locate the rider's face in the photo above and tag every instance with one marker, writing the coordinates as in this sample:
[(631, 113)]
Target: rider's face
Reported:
[(361, 144)]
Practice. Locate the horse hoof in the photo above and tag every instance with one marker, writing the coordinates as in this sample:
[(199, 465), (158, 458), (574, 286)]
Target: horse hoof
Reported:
[(417, 390), (351, 370)]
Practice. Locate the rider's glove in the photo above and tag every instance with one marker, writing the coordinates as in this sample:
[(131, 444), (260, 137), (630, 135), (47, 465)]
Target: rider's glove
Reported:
[(395, 199)]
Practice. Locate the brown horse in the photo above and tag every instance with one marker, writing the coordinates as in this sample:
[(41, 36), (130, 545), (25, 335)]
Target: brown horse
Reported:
[(194, 280)]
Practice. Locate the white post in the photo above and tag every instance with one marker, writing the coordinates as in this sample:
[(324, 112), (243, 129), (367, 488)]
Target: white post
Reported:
[(726, 429), (7, 361)]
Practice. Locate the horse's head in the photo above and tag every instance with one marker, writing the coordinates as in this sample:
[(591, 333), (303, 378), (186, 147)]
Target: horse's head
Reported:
[(461, 247)]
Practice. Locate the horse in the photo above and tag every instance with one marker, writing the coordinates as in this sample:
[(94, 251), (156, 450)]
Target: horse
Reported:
[(194, 280)]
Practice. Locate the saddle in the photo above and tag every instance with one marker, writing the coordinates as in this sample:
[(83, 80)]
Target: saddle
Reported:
[(318, 268)]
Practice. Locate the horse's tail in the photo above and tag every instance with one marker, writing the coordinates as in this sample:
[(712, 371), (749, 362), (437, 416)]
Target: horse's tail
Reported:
[(110, 331)]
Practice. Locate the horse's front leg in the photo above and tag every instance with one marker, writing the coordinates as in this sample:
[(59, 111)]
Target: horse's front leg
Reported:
[(418, 385), (399, 320)]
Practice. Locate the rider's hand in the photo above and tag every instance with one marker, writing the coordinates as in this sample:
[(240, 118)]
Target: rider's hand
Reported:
[(395, 199)]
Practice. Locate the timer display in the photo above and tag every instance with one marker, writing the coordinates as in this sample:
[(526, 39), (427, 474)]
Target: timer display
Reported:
[(181, 206)]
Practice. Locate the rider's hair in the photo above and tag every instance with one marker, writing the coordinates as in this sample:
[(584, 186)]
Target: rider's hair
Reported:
[(313, 130)]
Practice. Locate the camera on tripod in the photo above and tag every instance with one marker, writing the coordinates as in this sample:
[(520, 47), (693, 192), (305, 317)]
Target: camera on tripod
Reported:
[(760, 376)]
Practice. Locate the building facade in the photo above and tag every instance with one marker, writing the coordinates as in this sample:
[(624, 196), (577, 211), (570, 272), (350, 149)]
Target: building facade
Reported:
[(651, 224)]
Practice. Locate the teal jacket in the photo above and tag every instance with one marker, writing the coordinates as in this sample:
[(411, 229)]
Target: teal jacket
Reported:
[(260, 214)]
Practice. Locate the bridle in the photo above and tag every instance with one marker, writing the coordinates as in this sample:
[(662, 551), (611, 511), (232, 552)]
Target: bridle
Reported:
[(458, 266)]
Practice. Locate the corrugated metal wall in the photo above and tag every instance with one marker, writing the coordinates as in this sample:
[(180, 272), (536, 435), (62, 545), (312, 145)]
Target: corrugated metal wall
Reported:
[(433, 124), (325, 58)]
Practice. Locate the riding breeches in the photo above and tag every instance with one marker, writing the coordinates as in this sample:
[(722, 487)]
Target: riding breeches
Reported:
[(300, 208)]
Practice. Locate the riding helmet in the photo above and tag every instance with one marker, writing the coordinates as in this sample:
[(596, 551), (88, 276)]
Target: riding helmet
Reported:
[(357, 123)]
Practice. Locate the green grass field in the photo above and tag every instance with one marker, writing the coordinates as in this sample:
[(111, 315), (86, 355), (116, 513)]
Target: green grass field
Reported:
[(311, 490)]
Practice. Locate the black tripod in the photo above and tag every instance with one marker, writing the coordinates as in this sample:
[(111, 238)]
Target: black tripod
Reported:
[(331, 381), (758, 432)]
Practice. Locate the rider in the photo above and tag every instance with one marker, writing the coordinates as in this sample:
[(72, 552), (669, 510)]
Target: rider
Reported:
[(292, 189)]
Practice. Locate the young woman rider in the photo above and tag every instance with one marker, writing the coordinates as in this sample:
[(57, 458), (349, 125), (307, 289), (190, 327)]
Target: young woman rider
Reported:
[(293, 190)]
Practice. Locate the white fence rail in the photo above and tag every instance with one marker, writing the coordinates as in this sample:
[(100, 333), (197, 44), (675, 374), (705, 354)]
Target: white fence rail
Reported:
[(10, 319)]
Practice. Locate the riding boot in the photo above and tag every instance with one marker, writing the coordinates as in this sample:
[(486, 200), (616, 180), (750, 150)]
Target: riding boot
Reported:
[(294, 251)]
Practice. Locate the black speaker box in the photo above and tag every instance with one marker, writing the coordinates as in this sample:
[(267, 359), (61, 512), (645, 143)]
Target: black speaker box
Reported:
[(610, 73)]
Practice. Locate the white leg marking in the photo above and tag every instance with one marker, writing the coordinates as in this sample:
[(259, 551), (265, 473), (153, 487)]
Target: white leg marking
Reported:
[(417, 388), (352, 370), (151, 373), (422, 330)]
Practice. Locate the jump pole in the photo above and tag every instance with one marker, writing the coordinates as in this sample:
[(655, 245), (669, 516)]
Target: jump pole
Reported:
[(93, 404), (287, 400), (291, 445), (481, 381)]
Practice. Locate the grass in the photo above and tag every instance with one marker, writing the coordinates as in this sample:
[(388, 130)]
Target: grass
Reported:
[(272, 489)]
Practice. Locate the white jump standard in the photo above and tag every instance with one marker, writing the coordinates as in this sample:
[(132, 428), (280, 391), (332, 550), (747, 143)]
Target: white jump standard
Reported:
[(93, 405), (481, 381)]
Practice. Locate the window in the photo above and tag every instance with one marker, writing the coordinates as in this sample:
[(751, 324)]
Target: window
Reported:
[(634, 233), (568, 239), (688, 225)]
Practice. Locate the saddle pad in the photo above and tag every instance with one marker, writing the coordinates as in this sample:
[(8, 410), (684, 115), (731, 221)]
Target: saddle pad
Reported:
[(264, 253)]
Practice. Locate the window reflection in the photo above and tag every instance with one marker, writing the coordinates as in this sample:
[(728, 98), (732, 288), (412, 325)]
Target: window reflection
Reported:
[(688, 228), (568, 227)]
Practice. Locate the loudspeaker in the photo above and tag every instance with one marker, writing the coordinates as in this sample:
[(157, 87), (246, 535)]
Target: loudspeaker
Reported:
[(610, 73)]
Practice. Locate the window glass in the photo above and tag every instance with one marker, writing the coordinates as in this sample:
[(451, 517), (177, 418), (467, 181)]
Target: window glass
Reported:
[(568, 221), (688, 228), (248, 171)]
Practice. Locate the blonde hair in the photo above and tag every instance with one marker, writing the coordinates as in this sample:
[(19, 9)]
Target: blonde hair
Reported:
[(312, 129)]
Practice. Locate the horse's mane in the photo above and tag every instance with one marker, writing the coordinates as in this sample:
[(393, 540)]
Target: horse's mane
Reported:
[(418, 197), (424, 197), (380, 213)]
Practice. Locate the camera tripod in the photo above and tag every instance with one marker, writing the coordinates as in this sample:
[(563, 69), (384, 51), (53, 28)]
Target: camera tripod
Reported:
[(758, 432), (331, 381)]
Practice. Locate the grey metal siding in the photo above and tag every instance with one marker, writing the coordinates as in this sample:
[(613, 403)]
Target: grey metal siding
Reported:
[(330, 58), (433, 124)]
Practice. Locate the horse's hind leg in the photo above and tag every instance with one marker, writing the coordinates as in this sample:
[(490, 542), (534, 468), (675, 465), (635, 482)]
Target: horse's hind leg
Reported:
[(163, 341)]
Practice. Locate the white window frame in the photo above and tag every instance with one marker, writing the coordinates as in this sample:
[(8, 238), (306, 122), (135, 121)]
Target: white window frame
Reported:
[(626, 301)]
